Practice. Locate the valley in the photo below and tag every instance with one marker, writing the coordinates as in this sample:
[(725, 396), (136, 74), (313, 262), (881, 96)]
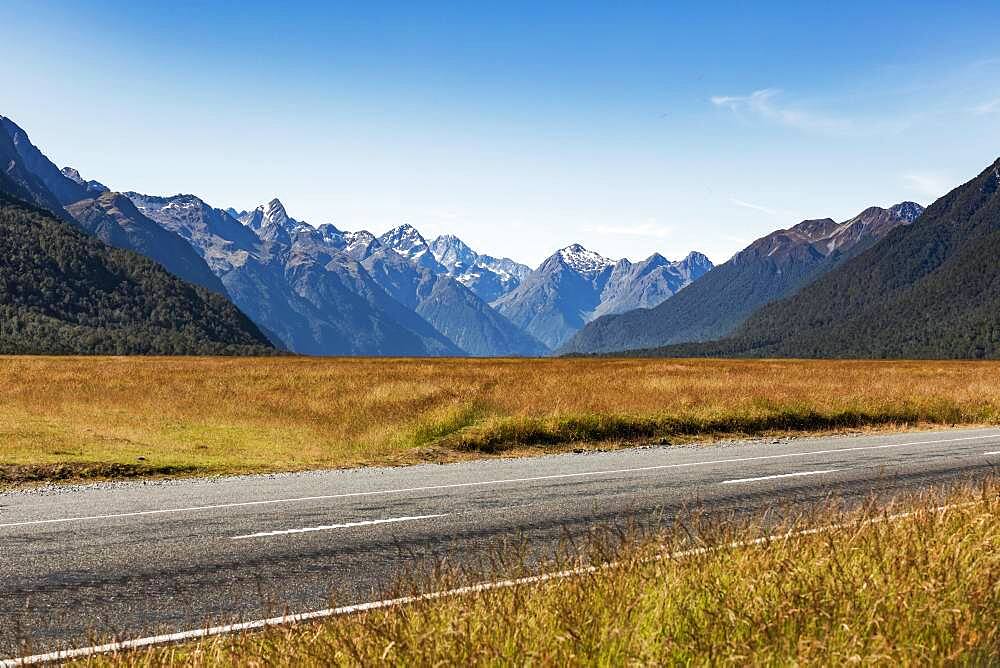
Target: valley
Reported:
[(543, 334)]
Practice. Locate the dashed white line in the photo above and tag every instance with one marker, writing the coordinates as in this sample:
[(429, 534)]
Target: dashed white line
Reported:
[(484, 483), (331, 527), (775, 477)]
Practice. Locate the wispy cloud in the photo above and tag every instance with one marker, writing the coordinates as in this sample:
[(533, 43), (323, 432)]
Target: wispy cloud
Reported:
[(766, 103), (649, 229), (991, 107), (930, 185), (754, 207), (784, 213)]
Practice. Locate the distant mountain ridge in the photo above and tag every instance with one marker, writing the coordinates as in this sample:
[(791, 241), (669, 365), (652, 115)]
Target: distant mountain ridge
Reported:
[(487, 276), (405, 267), (574, 284), (926, 290), (770, 268), (648, 283)]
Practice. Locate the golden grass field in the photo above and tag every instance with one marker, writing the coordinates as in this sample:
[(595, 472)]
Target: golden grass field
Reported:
[(89, 417), (870, 587)]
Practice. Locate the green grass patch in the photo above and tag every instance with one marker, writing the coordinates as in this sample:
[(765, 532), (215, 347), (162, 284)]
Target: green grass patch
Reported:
[(443, 423), (498, 434)]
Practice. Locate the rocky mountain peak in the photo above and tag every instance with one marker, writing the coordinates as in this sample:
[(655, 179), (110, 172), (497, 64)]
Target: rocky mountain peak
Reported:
[(583, 261), (402, 237), (908, 211), (254, 219), (695, 264), (93, 187), (73, 175), (815, 229), (408, 242), (453, 253), (275, 214)]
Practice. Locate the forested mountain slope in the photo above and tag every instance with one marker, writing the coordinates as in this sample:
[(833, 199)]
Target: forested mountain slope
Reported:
[(927, 290), (63, 292)]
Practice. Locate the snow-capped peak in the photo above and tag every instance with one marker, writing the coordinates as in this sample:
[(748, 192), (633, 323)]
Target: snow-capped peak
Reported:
[(405, 240), (453, 253), (584, 261), (275, 214)]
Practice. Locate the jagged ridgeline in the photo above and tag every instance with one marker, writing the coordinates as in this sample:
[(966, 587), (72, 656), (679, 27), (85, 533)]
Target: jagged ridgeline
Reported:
[(63, 292), (775, 266), (926, 290)]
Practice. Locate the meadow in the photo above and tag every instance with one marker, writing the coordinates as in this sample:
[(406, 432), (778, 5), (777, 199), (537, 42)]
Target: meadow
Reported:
[(91, 417), (917, 583)]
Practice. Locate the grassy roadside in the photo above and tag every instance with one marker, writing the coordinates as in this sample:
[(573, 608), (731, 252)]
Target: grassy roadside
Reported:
[(86, 418), (922, 589)]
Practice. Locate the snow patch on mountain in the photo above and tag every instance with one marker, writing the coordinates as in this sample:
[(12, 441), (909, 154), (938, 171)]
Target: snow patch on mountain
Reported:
[(487, 276), (584, 261), (408, 242)]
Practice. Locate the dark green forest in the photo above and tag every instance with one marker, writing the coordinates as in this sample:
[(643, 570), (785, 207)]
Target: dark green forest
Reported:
[(62, 292)]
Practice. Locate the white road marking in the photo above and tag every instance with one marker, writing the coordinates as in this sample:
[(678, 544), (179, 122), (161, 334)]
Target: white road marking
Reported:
[(330, 527), (484, 483), (195, 634), (994, 452), (775, 477)]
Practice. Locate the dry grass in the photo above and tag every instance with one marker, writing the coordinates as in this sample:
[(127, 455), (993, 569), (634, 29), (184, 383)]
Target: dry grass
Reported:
[(923, 589), (79, 417)]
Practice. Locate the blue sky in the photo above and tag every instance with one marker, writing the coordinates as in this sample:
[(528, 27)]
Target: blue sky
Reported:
[(521, 127)]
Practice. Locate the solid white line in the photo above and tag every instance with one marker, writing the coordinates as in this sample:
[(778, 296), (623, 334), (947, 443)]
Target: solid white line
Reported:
[(330, 527), (995, 452), (774, 477), (458, 485), (195, 634)]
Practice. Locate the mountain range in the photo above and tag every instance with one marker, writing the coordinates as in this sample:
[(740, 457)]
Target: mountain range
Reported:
[(320, 290), (85, 269), (772, 267), (930, 289), (575, 285)]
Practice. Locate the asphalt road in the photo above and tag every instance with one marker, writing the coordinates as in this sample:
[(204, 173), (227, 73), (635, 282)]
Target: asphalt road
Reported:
[(126, 560)]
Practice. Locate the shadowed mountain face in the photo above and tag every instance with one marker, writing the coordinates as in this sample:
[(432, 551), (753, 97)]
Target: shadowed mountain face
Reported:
[(555, 300), (63, 292), (770, 268), (21, 182), (926, 290), (65, 190), (113, 218), (108, 216), (575, 284), (450, 307)]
